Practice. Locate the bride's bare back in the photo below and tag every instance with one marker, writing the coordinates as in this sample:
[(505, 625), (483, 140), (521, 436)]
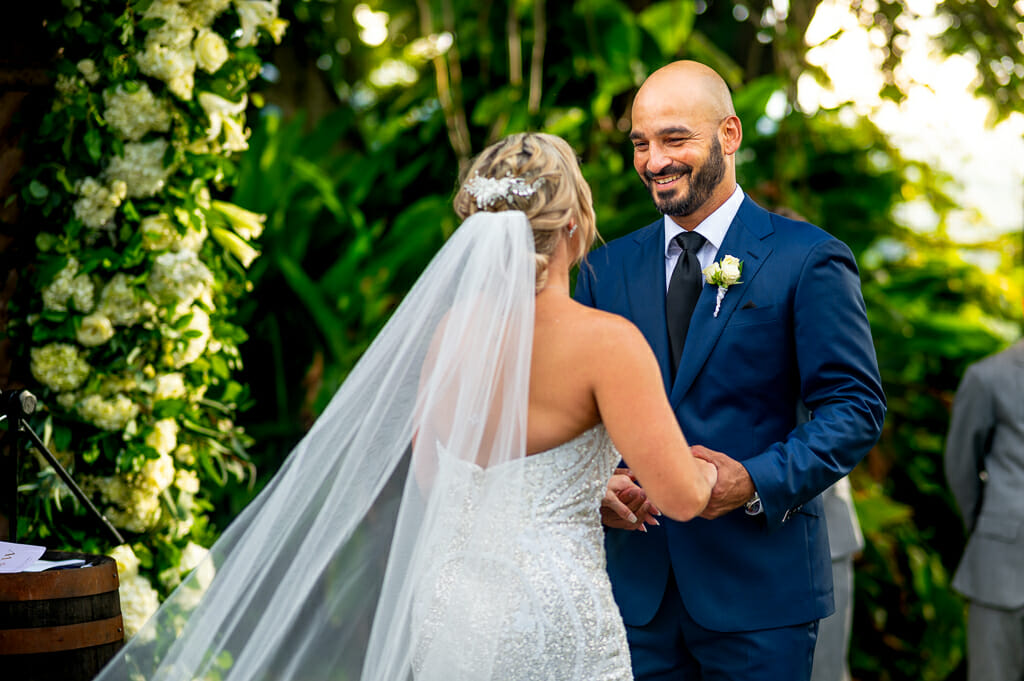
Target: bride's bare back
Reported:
[(591, 367)]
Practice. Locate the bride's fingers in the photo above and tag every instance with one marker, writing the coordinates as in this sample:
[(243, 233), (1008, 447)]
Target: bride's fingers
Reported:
[(614, 504), (648, 513)]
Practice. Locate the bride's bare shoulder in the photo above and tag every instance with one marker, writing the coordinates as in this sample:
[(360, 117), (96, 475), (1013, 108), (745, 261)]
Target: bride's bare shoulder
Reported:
[(610, 335)]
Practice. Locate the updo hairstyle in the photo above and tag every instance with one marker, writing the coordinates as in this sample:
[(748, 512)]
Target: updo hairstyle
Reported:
[(561, 197)]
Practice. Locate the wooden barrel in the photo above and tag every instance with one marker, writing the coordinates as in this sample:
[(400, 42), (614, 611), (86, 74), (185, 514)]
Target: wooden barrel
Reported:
[(61, 624)]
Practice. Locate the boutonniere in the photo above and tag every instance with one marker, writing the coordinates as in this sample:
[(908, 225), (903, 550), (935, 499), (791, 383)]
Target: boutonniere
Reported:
[(723, 274)]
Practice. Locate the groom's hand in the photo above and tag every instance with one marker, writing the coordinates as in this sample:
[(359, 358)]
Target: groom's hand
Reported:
[(734, 487), (625, 505)]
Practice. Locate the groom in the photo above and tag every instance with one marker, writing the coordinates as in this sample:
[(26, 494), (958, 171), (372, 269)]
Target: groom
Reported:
[(736, 594)]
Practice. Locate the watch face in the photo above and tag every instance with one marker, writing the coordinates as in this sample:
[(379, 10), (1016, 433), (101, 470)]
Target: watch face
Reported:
[(753, 507)]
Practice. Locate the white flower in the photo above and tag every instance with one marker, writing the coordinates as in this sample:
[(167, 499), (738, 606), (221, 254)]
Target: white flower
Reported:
[(164, 436), (158, 232), (249, 225), (127, 561), (276, 28), (191, 556), (723, 274), (121, 305), (177, 27), (133, 114), (87, 67), (59, 366), (203, 12), (69, 285), (187, 481), (109, 414), (178, 278), (235, 245), (175, 67), (98, 203), (222, 114), (185, 455), (157, 474), (191, 240), (141, 168), (95, 329), (67, 400), (731, 268), (68, 85), (139, 600), (167, 54), (210, 50), (170, 387), (190, 349), (254, 14)]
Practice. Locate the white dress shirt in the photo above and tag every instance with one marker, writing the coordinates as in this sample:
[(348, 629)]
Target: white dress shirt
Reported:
[(713, 229)]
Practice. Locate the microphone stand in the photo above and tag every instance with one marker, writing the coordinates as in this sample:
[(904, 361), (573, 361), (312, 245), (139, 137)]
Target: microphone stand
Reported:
[(16, 405)]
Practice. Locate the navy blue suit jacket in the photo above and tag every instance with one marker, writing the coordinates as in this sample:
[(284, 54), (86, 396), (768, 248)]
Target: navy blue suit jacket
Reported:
[(794, 329)]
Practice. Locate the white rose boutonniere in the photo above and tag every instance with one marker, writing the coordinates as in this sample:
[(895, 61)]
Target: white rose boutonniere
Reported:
[(723, 274)]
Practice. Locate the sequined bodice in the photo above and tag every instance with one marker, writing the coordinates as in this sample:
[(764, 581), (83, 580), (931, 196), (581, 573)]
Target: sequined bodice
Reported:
[(531, 600)]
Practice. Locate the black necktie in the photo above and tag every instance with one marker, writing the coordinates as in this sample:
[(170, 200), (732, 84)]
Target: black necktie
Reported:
[(683, 290)]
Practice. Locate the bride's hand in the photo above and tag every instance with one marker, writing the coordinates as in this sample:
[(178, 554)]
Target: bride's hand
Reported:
[(625, 505), (709, 471)]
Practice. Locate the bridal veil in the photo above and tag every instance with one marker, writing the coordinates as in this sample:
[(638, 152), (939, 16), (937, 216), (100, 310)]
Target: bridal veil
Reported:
[(322, 576)]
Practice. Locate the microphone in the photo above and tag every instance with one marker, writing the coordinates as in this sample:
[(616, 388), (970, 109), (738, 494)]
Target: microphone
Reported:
[(17, 404)]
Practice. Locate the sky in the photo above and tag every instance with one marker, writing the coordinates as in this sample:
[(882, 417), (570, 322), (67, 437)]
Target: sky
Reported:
[(940, 121)]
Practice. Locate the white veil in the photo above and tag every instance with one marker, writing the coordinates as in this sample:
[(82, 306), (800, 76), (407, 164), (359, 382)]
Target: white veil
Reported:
[(327, 573)]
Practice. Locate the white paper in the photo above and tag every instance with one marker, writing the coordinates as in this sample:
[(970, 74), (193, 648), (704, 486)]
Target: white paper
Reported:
[(41, 564), (16, 557)]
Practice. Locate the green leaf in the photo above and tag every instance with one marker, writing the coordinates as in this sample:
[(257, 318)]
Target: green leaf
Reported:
[(166, 409), (37, 190), (316, 304), (94, 145), (669, 24), (219, 367)]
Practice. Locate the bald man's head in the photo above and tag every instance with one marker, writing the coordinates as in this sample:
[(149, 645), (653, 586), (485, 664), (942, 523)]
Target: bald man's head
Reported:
[(693, 81), (685, 135)]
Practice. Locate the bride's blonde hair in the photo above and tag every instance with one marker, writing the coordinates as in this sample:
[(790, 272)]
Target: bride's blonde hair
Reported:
[(560, 196)]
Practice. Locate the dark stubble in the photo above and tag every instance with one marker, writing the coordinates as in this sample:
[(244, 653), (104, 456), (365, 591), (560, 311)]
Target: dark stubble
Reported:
[(702, 183)]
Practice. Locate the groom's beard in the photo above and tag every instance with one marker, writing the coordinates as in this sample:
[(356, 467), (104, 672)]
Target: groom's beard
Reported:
[(702, 183)]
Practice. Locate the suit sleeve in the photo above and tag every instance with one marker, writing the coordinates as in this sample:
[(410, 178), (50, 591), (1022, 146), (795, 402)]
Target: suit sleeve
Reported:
[(839, 383), (970, 429)]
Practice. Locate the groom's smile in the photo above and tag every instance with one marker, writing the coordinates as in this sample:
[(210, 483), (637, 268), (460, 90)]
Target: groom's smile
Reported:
[(668, 180)]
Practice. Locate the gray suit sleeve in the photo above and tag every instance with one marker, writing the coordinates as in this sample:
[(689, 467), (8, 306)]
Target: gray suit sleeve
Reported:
[(970, 431)]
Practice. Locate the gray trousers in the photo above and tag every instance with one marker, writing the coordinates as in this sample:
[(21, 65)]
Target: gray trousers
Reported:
[(832, 650), (995, 644)]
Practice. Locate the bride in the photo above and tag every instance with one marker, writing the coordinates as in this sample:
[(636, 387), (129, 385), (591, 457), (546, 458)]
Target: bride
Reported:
[(440, 520)]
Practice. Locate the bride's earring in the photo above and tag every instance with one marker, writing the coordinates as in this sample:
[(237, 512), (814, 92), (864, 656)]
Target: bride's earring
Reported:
[(572, 229)]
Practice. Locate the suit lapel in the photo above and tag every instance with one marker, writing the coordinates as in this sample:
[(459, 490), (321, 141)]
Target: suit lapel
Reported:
[(645, 285), (745, 240)]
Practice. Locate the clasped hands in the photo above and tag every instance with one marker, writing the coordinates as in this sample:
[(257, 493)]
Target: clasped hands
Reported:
[(625, 505)]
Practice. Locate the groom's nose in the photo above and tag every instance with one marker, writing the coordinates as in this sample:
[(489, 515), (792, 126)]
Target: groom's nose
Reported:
[(657, 159)]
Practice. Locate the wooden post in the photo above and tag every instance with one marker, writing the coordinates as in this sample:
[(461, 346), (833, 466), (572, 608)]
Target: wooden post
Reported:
[(25, 92)]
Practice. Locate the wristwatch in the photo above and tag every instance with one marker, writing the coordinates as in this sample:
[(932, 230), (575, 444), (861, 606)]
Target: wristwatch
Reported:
[(754, 506)]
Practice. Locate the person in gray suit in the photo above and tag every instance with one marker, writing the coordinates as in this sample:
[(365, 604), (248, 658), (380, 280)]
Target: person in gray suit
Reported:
[(845, 540), (984, 464)]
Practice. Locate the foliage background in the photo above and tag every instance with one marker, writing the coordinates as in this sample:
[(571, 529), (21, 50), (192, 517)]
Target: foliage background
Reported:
[(371, 119), (373, 108), (129, 287)]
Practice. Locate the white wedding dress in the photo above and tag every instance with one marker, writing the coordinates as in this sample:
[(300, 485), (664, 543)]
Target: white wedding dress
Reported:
[(536, 604), (458, 558)]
